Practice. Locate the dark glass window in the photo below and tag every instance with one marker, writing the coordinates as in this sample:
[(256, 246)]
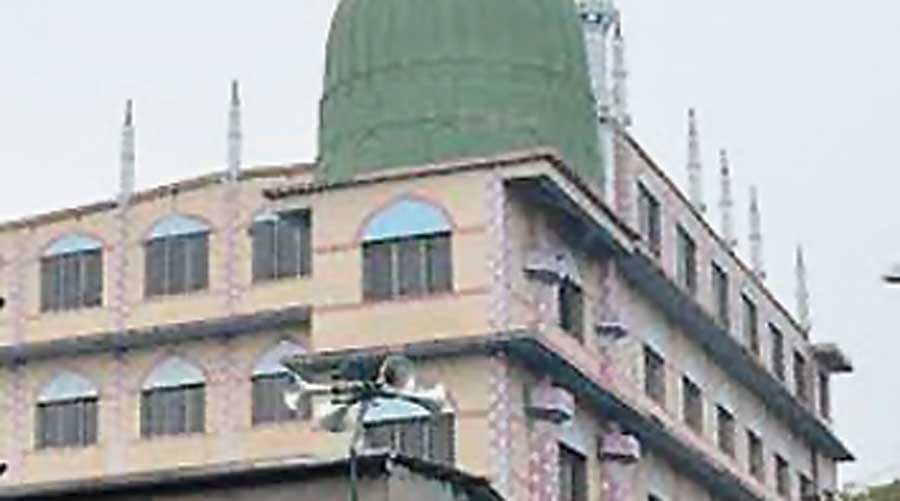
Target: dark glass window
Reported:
[(409, 266), (800, 383), (692, 401), (70, 423), (782, 477), (268, 400), (756, 459), (726, 431), (720, 295), (432, 439), (750, 324), (654, 376), (572, 475), (571, 308), (807, 489), (824, 395), (686, 264), (176, 264), (173, 411), (777, 352), (282, 246), (72, 280), (649, 218)]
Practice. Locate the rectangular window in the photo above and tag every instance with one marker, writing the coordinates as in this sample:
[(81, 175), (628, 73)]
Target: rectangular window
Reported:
[(750, 324), (431, 439), (176, 264), (282, 246), (802, 388), (649, 218), (407, 267), (777, 351), (725, 421), (173, 411), (807, 489), (654, 376), (824, 395), (720, 294), (268, 400), (686, 265), (71, 423), (571, 308), (572, 475), (756, 459), (71, 281), (692, 402), (782, 477)]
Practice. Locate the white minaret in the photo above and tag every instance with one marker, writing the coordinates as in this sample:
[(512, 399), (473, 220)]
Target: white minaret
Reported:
[(756, 248), (597, 19), (694, 165), (235, 135), (726, 201), (126, 158), (620, 77), (802, 291)]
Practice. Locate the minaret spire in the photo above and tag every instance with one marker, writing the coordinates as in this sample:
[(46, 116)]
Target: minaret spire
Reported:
[(597, 19), (126, 159), (694, 165), (802, 291), (235, 134), (619, 77), (756, 250), (726, 202)]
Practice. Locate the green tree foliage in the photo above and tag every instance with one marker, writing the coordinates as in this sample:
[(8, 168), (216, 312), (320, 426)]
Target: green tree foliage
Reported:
[(886, 492)]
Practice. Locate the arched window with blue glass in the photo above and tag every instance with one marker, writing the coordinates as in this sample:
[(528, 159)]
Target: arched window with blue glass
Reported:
[(282, 246), (176, 256), (173, 399), (270, 380), (72, 273), (66, 414), (407, 251)]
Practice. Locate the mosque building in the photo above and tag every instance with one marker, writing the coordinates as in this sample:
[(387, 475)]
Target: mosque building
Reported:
[(477, 204)]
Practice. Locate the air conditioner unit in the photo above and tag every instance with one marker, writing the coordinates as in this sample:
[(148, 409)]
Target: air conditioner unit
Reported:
[(550, 403), (619, 448)]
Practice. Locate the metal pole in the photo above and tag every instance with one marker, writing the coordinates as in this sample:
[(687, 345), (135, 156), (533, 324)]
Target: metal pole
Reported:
[(357, 435)]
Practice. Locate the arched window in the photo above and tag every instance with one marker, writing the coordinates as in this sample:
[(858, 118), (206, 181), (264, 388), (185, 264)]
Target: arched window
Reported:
[(270, 380), (173, 399), (282, 245), (411, 430), (406, 251), (66, 413), (176, 256), (72, 273)]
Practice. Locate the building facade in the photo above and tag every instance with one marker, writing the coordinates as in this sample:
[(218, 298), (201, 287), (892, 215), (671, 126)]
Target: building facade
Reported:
[(598, 338)]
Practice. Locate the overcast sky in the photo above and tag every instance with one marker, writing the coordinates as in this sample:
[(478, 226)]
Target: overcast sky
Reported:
[(803, 93)]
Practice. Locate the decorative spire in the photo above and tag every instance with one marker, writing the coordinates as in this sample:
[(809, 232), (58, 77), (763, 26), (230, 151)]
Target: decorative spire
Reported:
[(756, 250), (235, 134), (802, 291), (726, 202), (619, 77), (694, 166), (127, 154)]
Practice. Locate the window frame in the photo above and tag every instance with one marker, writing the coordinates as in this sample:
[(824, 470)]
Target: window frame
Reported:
[(577, 467), (726, 431), (655, 376), (570, 308), (692, 404), (297, 224), (161, 400), (434, 251), (56, 277), (721, 296), (686, 260), (195, 274), (56, 412), (756, 456), (267, 400), (824, 381), (778, 352), (782, 476), (650, 218), (750, 324), (801, 383)]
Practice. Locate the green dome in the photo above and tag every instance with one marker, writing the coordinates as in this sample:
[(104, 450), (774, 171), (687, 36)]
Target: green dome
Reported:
[(408, 82)]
